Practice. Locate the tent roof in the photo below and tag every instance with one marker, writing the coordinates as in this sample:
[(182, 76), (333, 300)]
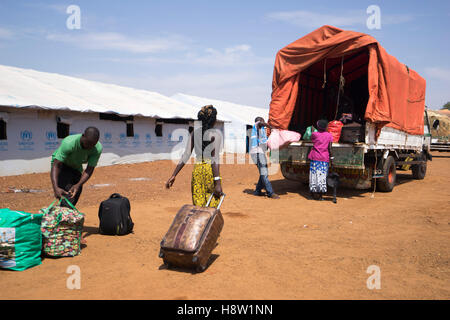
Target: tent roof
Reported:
[(29, 88), (229, 111)]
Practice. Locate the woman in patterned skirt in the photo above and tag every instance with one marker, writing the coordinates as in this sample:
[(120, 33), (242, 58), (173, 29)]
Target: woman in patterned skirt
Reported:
[(319, 159), (207, 142)]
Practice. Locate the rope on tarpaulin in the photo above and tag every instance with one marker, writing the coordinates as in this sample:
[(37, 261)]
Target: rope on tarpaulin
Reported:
[(341, 86)]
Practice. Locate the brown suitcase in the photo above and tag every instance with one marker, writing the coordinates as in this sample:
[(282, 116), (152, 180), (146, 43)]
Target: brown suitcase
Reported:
[(192, 236)]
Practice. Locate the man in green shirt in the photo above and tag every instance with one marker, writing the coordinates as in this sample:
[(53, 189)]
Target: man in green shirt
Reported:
[(67, 173)]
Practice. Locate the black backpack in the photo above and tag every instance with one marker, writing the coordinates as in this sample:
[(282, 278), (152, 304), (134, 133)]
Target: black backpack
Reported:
[(114, 215)]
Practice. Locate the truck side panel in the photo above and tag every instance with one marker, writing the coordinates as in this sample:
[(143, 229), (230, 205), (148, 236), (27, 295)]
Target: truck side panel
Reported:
[(391, 138)]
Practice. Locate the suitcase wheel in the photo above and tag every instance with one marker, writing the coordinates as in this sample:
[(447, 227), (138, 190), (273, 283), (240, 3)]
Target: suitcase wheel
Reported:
[(200, 268), (194, 259), (167, 264)]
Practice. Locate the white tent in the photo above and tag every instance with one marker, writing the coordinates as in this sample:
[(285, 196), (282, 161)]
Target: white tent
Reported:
[(35, 105), (238, 117), (30, 88)]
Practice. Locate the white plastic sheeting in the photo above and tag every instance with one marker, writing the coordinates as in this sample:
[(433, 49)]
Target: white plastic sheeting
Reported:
[(30, 88)]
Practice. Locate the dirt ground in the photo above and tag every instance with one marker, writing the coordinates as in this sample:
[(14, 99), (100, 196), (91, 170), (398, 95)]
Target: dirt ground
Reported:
[(290, 248)]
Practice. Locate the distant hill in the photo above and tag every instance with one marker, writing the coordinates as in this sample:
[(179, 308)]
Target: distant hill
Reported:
[(444, 122)]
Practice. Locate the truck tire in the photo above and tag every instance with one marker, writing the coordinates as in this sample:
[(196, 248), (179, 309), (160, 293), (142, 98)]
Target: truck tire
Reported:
[(419, 170), (387, 183)]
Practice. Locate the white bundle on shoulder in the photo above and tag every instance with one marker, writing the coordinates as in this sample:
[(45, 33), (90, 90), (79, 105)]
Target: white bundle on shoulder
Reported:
[(280, 139)]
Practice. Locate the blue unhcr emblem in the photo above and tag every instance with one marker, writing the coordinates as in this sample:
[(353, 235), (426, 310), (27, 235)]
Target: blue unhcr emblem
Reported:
[(26, 135)]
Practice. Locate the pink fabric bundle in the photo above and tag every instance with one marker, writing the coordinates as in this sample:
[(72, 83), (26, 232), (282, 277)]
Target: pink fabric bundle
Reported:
[(279, 139)]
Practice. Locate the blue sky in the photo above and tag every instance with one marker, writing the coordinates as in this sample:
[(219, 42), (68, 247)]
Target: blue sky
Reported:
[(218, 49)]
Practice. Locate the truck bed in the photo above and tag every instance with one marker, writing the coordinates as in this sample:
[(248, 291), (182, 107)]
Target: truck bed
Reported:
[(391, 138)]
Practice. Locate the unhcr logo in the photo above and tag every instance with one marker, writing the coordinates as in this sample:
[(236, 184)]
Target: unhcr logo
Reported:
[(148, 139), (51, 135), (26, 135), (136, 141), (26, 143), (123, 140), (107, 141), (52, 140)]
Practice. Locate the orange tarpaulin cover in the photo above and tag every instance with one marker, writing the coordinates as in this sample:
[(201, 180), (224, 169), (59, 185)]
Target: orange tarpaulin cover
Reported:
[(396, 93)]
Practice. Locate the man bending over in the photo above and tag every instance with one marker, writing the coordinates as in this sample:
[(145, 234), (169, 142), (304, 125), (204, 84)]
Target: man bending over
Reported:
[(67, 173)]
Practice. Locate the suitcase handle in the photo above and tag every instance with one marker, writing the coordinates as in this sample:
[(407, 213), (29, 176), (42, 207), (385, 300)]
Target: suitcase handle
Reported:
[(220, 203), (115, 195)]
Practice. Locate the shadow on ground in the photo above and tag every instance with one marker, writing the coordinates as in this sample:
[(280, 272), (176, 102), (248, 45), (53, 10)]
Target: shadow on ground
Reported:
[(284, 186), (211, 260)]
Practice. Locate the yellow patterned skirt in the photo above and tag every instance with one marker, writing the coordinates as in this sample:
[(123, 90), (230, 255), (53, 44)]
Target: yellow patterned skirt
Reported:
[(202, 184)]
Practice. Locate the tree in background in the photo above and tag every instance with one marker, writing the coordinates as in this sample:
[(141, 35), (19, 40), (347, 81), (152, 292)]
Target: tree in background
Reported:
[(446, 106)]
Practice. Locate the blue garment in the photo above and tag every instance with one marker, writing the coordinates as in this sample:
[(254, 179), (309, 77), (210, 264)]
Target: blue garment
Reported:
[(258, 138), (318, 171), (263, 183)]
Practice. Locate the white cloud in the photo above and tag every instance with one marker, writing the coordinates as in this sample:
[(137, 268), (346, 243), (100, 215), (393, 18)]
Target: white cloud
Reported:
[(120, 42), (231, 56), (309, 19), (438, 73), (5, 33), (438, 82), (244, 87), (60, 8), (234, 57), (396, 18), (436, 96)]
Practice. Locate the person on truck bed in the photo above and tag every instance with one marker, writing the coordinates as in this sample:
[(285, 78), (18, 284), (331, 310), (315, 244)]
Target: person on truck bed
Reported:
[(345, 110), (319, 157)]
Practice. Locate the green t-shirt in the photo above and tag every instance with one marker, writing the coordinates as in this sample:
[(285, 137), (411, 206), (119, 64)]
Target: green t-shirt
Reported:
[(73, 155)]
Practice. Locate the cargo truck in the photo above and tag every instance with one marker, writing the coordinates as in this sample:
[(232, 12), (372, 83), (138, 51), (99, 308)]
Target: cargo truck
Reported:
[(315, 74)]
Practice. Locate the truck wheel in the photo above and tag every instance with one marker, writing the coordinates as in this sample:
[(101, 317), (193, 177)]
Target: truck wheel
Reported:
[(419, 170), (387, 183)]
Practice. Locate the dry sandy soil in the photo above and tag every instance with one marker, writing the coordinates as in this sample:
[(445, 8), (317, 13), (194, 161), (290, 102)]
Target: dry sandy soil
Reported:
[(291, 248)]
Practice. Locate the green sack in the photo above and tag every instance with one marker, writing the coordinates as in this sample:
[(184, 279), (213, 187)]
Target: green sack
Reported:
[(20, 239), (308, 132)]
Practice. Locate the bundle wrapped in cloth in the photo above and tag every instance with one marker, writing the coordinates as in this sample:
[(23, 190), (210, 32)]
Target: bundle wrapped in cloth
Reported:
[(280, 139), (335, 128), (61, 230)]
